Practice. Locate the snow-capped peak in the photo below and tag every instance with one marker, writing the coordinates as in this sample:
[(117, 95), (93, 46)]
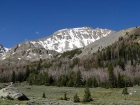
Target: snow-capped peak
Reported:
[(69, 39), (3, 50)]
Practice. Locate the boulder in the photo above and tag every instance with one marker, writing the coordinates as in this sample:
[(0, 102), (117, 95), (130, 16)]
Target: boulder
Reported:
[(12, 93)]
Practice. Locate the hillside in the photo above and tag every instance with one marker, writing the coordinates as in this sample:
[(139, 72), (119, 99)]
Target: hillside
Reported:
[(115, 64), (59, 42), (108, 40), (3, 50)]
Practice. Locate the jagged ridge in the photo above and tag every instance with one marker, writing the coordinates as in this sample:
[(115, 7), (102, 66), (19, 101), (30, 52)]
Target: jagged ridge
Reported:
[(3, 49), (69, 39)]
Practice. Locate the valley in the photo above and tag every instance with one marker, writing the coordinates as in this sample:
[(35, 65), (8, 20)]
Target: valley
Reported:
[(101, 96), (107, 63)]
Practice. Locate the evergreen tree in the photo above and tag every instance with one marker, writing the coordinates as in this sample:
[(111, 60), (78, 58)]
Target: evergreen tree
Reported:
[(89, 82), (78, 81), (65, 96), (44, 96), (76, 98), (94, 82), (46, 79), (87, 96), (125, 92), (13, 79), (20, 77), (70, 83), (119, 84), (27, 72), (111, 76)]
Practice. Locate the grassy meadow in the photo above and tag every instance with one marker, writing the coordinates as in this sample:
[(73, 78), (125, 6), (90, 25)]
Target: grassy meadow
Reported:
[(101, 96)]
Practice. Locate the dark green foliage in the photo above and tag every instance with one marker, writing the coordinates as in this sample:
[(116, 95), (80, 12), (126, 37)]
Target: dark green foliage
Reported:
[(122, 53), (13, 78), (47, 65), (78, 81), (120, 82), (70, 83), (38, 66), (126, 81), (111, 76), (62, 80), (20, 77), (87, 96), (72, 53), (71, 79), (40, 79), (94, 82), (125, 92), (89, 82), (123, 81), (121, 63), (44, 96), (76, 98), (27, 72), (65, 96), (75, 62)]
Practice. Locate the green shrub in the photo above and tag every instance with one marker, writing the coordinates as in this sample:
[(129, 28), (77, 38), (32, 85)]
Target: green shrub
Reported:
[(87, 96), (43, 96), (76, 98), (65, 96), (125, 92)]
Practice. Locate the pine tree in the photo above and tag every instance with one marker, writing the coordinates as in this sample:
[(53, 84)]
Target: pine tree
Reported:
[(87, 96), (44, 96), (46, 79), (65, 96), (89, 82), (119, 84), (27, 72), (125, 92), (76, 98), (13, 79), (111, 76), (94, 82), (38, 66), (78, 81)]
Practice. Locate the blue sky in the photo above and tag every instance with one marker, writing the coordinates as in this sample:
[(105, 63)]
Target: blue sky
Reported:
[(22, 20)]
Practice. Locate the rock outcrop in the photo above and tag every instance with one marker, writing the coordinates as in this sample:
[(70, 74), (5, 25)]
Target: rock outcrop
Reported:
[(12, 93)]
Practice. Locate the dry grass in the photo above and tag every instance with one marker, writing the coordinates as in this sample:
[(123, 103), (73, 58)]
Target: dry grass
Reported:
[(100, 96)]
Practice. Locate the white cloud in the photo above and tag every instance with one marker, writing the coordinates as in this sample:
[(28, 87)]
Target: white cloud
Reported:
[(37, 32)]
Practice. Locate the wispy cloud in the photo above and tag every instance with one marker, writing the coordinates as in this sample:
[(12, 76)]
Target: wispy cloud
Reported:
[(37, 32)]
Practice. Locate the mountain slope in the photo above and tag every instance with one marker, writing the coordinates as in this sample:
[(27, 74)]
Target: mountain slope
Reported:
[(3, 50), (109, 40), (69, 39), (60, 41)]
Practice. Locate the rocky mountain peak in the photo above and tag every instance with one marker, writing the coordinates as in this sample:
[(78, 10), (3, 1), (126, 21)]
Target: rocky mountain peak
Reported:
[(3, 49), (59, 42), (72, 38)]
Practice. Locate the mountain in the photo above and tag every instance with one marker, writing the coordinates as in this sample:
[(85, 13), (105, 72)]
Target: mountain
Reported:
[(112, 61), (69, 39), (109, 40), (3, 50), (22, 53), (61, 41)]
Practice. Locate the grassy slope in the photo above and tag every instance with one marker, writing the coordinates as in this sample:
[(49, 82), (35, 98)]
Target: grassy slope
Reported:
[(101, 96)]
